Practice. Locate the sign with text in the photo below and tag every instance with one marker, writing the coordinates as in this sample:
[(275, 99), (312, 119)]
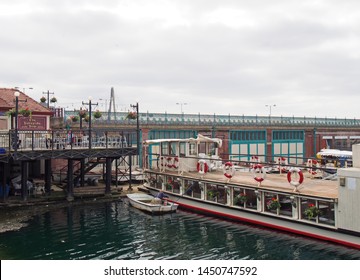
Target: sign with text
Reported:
[(32, 123)]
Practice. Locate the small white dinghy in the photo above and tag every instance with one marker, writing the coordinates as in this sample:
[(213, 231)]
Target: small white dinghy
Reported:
[(150, 204)]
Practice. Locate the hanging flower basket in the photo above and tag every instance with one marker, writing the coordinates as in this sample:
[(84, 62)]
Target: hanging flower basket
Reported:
[(273, 204), (97, 114), (312, 211), (53, 100), (87, 118), (25, 112), (11, 113), (43, 99), (74, 118), (82, 113), (131, 116)]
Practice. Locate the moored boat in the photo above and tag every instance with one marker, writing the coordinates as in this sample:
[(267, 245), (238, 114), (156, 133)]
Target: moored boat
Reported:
[(148, 203), (192, 174)]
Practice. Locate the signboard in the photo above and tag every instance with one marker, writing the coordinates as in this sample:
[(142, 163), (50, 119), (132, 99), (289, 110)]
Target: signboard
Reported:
[(32, 123)]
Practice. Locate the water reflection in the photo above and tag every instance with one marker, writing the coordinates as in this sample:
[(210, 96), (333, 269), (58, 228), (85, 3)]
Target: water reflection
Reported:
[(117, 231)]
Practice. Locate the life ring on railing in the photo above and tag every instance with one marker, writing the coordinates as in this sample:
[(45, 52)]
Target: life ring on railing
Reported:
[(162, 161), (175, 163), (262, 171), (310, 164), (229, 170), (202, 167), (254, 159), (282, 161), (300, 174)]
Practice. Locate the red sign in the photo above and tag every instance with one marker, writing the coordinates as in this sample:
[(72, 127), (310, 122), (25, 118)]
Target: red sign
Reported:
[(32, 123)]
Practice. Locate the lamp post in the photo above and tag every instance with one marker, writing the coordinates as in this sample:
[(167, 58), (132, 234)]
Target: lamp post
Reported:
[(16, 137), (90, 104), (136, 106), (274, 105), (181, 106), (48, 98)]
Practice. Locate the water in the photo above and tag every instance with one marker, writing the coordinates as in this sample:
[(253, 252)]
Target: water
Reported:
[(115, 230)]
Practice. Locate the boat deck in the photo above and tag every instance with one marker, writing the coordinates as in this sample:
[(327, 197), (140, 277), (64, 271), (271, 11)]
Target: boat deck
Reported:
[(276, 182)]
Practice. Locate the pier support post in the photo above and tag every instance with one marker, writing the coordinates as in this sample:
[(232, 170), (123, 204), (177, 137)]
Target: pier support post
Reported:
[(24, 179), (47, 176), (130, 173), (82, 172), (108, 177), (70, 181)]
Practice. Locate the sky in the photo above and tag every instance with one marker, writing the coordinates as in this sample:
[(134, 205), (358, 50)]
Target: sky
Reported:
[(254, 57)]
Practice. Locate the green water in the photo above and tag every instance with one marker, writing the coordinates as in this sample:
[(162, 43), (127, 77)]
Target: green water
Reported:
[(115, 230)]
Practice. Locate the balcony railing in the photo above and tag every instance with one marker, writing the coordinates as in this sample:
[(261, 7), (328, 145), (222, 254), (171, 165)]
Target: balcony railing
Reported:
[(67, 139)]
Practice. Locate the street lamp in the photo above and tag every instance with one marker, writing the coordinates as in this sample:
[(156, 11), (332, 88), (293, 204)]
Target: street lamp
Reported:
[(16, 137), (48, 98), (181, 106), (274, 105), (90, 104), (136, 106)]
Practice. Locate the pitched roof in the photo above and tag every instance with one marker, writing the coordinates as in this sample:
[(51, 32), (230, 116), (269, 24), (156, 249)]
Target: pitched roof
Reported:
[(7, 102)]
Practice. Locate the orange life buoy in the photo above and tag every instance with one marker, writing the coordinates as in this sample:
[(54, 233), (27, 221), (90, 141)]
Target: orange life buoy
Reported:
[(202, 167), (228, 166), (261, 169), (299, 172)]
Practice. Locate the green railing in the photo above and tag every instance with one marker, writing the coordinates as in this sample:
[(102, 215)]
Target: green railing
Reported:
[(218, 120)]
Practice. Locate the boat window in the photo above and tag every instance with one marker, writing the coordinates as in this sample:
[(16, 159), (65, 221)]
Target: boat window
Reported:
[(244, 198), (192, 149), (172, 149), (286, 206), (202, 148), (165, 149), (327, 213), (216, 193), (182, 149), (192, 188), (308, 209), (159, 181), (272, 203), (172, 184)]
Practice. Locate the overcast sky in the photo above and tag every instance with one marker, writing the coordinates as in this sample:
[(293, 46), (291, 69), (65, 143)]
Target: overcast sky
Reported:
[(217, 56)]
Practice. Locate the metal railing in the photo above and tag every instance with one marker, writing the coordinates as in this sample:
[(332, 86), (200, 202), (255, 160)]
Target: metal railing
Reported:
[(67, 139), (218, 120)]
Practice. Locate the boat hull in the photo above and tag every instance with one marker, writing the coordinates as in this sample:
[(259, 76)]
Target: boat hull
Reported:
[(261, 219), (144, 203)]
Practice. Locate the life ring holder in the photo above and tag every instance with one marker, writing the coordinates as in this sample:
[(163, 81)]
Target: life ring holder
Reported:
[(310, 164), (229, 170), (299, 172), (202, 166), (262, 170)]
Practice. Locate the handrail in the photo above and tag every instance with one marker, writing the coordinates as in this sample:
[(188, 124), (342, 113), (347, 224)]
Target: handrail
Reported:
[(219, 120), (67, 139)]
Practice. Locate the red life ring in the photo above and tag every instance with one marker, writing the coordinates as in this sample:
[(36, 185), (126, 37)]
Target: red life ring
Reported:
[(282, 161), (162, 161), (228, 166), (175, 162), (202, 167), (310, 164), (262, 170), (299, 172)]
